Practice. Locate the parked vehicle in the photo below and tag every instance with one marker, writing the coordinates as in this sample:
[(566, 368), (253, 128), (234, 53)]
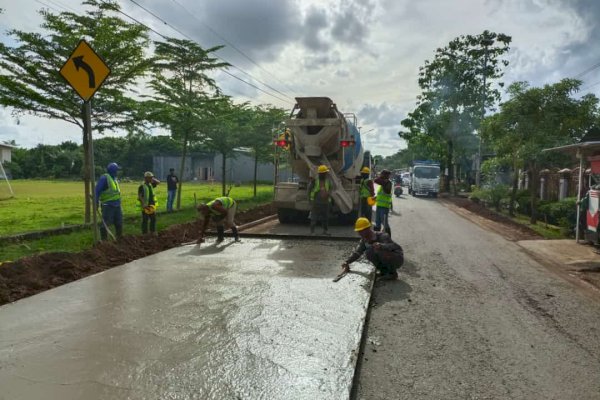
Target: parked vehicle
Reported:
[(425, 178)]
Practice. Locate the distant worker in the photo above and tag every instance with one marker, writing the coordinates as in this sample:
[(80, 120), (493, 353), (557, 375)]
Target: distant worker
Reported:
[(222, 211), (319, 195), (367, 193), (385, 254), (172, 182), (108, 197), (147, 202), (383, 201)]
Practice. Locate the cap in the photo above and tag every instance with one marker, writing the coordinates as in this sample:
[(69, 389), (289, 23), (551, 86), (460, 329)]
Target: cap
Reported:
[(148, 174)]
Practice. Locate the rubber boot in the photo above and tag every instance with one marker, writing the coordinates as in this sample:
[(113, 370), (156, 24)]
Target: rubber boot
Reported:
[(236, 235), (220, 233)]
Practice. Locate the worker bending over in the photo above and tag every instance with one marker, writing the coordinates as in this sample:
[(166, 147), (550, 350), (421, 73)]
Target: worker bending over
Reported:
[(222, 211), (378, 247)]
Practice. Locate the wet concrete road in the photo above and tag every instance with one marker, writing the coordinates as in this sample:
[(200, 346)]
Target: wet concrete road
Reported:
[(259, 319), (474, 317)]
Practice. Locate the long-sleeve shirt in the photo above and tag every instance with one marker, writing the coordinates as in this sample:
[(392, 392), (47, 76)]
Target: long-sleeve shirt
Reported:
[(388, 251), (386, 183), (101, 186)]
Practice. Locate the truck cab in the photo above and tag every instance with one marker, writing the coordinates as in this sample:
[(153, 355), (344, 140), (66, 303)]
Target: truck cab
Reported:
[(425, 179)]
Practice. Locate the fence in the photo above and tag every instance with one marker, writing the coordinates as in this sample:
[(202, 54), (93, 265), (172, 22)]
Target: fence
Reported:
[(555, 185)]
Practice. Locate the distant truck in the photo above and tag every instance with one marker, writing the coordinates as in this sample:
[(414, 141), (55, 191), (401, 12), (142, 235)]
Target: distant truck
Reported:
[(319, 134), (425, 178)]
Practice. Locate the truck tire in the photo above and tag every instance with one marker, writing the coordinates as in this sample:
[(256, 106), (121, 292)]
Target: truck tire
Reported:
[(348, 219), (285, 215)]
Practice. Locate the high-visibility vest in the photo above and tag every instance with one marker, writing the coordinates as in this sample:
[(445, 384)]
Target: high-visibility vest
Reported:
[(317, 188), (112, 192), (146, 197), (364, 188), (383, 199), (227, 203)]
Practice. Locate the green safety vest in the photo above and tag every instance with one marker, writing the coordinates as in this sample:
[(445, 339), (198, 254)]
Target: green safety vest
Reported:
[(383, 199), (227, 203), (112, 192), (364, 189), (317, 187), (146, 197)]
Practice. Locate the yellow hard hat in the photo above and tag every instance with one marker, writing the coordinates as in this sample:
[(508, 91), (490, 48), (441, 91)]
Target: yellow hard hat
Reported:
[(362, 224), (365, 170), (151, 209), (371, 200), (322, 169)]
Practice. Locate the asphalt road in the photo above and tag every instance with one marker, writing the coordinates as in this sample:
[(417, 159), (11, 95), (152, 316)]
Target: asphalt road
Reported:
[(474, 317)]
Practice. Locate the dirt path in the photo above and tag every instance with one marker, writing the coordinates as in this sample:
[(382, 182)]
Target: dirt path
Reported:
[(31, 275)]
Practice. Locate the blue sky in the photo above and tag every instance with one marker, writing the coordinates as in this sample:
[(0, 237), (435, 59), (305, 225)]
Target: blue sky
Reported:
[(365, 55)]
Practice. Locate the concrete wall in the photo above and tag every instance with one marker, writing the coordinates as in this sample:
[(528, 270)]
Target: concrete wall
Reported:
[(5, 154), (196, 167), (208, 168), (241, 169)]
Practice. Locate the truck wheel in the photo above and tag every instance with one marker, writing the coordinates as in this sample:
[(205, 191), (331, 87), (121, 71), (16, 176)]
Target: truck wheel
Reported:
[(285, 215), (348, 219)]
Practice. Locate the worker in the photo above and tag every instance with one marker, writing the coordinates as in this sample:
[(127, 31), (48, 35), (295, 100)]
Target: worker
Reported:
[(385, 254), (147, 202), (383, 201), (319, 195), (222, 210), (367, 193), (108, 199), (172, 181)]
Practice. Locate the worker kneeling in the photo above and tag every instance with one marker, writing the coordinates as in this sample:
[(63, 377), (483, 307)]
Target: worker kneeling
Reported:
[(379, 248), (222, 211)]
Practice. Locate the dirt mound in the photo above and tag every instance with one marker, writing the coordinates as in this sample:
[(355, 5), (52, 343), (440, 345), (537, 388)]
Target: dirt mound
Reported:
[(31, 275), (523, 232)]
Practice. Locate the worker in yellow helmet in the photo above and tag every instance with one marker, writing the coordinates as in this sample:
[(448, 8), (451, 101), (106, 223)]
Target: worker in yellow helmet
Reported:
[(147, 202), (366, 192), (222, 211), (379, 248), (319, 197)]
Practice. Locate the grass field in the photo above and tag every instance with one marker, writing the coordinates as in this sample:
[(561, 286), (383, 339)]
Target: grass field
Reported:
[(39, 205)]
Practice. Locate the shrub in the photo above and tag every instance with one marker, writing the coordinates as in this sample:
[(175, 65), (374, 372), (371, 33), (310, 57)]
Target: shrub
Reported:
[(523, 202), (494, 195), (562, 213)]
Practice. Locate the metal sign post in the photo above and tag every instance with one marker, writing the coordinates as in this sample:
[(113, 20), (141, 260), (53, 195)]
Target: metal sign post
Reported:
[(85, 71)]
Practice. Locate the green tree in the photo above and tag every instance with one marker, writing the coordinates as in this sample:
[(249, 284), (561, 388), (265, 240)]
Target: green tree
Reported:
[(182, 89), (456, 88), (30, 82), (533, 119), (225, 130), (260, 135)]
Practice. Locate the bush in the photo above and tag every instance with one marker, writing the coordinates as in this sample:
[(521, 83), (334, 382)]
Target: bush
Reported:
[(494, 195), (562, 213), (523, 202)]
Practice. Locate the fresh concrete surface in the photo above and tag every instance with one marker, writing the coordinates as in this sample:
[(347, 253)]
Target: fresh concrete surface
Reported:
[(259, 319)]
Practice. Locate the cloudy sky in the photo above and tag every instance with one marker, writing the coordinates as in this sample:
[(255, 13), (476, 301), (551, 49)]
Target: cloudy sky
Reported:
[(363, 54)]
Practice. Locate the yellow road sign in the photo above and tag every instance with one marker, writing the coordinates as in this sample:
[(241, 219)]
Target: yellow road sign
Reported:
[(85, 71)]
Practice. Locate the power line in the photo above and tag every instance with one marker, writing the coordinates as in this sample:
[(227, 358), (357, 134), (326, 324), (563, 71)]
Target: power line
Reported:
[(590, 86), (588, 70), (220, 58), (231, 44)]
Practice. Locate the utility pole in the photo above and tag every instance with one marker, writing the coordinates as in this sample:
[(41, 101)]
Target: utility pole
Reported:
[(483, 97)]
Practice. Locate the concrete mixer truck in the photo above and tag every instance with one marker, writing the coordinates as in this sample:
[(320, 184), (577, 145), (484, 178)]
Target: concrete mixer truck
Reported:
[(317, 133)]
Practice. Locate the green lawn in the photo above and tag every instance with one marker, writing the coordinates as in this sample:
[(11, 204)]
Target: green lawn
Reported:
[(39, 205)]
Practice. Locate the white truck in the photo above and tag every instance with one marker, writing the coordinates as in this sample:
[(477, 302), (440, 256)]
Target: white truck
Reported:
[(425, 178)]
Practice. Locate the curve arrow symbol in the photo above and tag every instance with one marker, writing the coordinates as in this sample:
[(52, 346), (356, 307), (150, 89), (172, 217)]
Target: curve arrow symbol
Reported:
[(79, 63)]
